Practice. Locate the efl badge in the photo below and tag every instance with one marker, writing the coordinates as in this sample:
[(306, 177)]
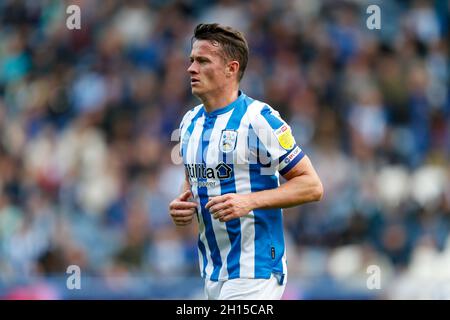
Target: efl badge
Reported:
[(228, 140), (284, 136)]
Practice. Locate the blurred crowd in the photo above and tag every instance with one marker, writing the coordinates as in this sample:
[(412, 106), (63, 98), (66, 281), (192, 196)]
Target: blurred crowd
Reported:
[(87, 120)]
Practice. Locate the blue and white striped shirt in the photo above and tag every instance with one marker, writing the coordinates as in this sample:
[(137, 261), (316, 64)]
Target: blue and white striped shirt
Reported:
[(241, 148)]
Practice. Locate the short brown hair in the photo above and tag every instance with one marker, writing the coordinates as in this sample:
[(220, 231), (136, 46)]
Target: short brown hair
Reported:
[(233, 43)]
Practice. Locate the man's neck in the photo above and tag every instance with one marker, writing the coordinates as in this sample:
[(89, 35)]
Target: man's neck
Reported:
[(215, 102)]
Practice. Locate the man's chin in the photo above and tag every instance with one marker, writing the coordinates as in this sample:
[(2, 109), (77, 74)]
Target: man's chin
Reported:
[(196, 92)]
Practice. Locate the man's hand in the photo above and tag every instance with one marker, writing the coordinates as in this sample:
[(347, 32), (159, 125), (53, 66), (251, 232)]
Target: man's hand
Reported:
[(229, 206), (181, 210)]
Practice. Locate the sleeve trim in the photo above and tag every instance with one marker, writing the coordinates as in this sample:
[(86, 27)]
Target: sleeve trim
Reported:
[(290, 160)]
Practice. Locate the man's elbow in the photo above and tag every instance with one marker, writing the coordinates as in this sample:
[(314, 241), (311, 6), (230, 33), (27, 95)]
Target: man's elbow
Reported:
[(317, 193)]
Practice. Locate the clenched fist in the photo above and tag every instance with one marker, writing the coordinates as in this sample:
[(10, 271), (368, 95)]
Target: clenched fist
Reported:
[(182, 210)]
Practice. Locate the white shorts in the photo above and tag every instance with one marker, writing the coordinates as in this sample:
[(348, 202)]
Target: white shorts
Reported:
[(244, 289)]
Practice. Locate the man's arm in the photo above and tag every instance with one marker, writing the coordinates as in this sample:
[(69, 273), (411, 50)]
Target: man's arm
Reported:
[(303, 185), (186, 184)]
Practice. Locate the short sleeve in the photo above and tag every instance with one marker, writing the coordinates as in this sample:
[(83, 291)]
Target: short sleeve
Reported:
[(185, 123), (276, 136), (182, 129)]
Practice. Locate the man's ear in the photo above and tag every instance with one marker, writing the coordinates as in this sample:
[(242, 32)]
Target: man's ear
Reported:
[(232, 68)]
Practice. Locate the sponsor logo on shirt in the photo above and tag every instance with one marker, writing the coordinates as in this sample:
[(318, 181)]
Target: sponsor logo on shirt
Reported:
[(292, 155), (201, 171)]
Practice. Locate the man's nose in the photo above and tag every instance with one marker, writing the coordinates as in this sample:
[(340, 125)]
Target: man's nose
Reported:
[(192, 68)]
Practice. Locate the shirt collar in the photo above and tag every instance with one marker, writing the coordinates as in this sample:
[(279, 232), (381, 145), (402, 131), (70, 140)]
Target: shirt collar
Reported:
[(240, 98)]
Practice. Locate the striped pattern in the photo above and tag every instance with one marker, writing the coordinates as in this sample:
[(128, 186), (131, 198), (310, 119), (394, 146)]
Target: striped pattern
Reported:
[(235, 150)]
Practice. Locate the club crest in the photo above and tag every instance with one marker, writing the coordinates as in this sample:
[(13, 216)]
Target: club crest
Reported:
[(228, 140)]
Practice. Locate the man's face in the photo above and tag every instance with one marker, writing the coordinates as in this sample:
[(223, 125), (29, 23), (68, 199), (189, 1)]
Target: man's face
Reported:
[(207, 69)]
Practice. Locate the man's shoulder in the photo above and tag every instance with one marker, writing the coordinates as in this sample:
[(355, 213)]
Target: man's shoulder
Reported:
[(195, 109), (191, 112), (257, 107), (255, 104)]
